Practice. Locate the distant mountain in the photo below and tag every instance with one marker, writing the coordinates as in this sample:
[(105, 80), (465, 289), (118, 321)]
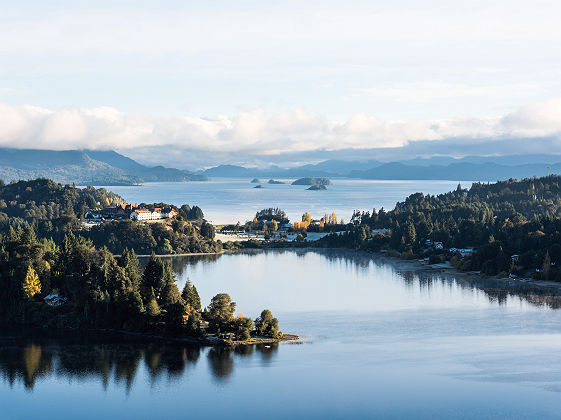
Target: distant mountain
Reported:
[(84, 167), (114, 159), (328, 168), (230, 171), (469, 168), (463, 171)]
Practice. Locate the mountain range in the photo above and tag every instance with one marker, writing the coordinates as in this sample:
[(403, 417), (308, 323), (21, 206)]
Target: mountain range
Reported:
[(470, 168), (94, 167)]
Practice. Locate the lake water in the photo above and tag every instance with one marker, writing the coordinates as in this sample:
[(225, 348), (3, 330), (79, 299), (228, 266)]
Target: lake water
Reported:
[(380, 340), (226, 200)]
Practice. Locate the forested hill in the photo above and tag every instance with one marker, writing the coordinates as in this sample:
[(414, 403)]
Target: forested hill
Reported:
[(46, 209), (496, 220), (49, 207), (507, 199)]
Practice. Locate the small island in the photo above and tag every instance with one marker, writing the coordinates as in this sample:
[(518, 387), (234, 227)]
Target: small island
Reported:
[(275, 182), (312, 181), (317, 187), (259, 186), (255, 181)]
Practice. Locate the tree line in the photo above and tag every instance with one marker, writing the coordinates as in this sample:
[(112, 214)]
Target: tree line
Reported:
[(512, 226), (102, 291), (53, 210)]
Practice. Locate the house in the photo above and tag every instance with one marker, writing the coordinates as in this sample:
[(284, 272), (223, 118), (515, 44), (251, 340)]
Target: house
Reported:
[(129, 211), (93, 215), (54, 300), (464, 252)]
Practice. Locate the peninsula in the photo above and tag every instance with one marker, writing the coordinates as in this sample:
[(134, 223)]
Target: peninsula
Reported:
[(58, 270)]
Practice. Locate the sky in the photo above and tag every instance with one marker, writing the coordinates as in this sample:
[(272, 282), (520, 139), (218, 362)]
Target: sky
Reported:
[(192, 84)]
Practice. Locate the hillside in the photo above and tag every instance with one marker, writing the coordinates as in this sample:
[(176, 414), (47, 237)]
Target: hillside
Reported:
[(463, 171), (509, 227), (85, 167)]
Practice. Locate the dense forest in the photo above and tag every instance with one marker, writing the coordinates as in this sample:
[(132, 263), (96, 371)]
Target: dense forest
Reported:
[(53, 210), (55, 273), (100, 291), (50, 208), (511, 227)]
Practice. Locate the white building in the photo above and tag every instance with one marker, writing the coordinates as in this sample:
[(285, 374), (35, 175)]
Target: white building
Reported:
[(156, 214), (141, 214)]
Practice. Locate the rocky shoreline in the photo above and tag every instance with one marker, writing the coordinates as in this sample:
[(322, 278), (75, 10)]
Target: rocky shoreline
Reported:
[(203, 341)]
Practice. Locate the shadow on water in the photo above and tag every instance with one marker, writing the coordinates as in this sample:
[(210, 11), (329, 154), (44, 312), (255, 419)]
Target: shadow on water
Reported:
[(29, 358), (179, 263)]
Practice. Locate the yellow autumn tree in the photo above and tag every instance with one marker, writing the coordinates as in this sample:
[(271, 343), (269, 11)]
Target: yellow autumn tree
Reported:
[(306, 217), (31, 284)]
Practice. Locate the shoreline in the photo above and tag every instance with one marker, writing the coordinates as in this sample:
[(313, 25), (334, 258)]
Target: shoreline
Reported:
[(204, 341), (187, 254), (201, 341), (472, 277)]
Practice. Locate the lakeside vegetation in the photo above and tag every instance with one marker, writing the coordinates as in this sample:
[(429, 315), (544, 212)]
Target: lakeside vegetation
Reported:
[(104, 292), (54, 273), (510, 227), (53, 210)]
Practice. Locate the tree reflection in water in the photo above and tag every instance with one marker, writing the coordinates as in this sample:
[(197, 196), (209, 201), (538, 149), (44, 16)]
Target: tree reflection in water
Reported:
[(28, 360), (426, 277)]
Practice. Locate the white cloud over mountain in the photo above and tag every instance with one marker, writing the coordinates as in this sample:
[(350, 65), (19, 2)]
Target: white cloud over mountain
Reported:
[(255, 131)]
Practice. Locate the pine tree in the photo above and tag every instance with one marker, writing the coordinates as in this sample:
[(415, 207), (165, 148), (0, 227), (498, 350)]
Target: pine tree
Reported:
[(31, 284), (152, 309), (191, 296)]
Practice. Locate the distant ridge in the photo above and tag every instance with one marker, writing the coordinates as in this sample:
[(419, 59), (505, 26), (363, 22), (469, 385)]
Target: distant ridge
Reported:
[(94, 167), (84, 167), (470, 168)]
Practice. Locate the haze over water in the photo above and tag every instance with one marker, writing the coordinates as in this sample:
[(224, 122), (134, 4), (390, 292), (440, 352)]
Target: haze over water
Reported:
[(379, 340)]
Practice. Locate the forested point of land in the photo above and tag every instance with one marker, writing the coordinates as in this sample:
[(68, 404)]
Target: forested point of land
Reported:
[(52, 210), (55, 274), (510, 227)]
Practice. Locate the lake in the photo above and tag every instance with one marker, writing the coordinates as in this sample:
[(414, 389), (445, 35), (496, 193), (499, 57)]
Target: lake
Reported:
[(380, 339), (226, 200)]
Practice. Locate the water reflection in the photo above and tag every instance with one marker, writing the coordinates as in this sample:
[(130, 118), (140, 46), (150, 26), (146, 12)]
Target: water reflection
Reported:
[(29, 360), (426, 278), (180, 263), (321, 263)]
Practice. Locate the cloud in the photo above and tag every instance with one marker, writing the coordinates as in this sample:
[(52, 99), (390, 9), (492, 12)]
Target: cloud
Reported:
[(255, 132)]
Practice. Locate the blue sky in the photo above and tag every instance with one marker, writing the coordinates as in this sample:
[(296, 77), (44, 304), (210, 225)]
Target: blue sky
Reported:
[(254, 76)]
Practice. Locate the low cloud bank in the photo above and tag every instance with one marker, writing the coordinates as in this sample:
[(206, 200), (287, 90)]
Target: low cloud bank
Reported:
[(256, 133)]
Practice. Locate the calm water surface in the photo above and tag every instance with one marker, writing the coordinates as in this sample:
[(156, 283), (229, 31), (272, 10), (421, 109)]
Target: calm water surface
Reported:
[(379, 340), (226, 200)]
